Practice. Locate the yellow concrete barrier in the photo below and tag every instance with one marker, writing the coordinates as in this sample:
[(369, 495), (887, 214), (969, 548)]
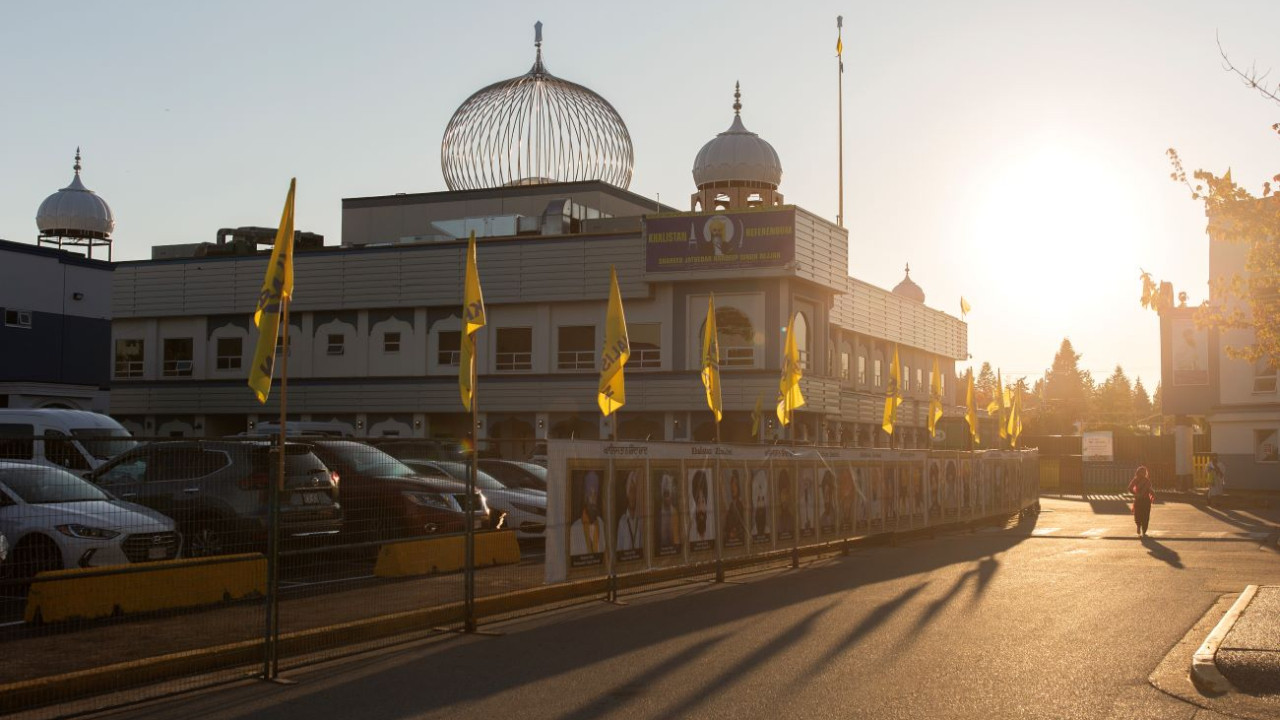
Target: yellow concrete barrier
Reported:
[(445, 554), (167, 585)]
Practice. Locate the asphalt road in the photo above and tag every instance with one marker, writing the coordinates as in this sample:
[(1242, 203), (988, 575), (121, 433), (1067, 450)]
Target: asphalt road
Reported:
[(1065, 616)]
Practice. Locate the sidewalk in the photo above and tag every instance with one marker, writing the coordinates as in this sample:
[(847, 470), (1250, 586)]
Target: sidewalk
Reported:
[(1248, 655)]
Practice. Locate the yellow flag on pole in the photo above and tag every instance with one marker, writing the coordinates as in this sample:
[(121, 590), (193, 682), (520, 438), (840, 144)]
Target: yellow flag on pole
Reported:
[(277, 288), (893, 393), (935, 399), (473, 318), (757, 416), (964, 307), (617, 349), (711, 360), (971, 410), (1015, 415), (789, 396)]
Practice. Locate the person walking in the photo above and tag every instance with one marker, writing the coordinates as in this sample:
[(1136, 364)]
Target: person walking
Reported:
[(1140, 486), (1217, 480)]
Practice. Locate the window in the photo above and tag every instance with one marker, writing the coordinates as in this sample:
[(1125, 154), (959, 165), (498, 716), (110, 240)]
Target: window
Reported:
[(862, 370), (920, 379), (736, 336), (1266, 445), (17, 318), (576, 347), (391, 342), (128, 358), (906, 378), (230, 353), (337, 344), (59, 449), (514, 349), (17, 441), (280, 343), (449, 347), (1264, 376), (802, 339), (844, 366), (646, 345), (177, 357), (877, 373)]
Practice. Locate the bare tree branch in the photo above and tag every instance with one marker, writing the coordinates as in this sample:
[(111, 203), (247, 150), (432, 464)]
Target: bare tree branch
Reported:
[(1251, 78)]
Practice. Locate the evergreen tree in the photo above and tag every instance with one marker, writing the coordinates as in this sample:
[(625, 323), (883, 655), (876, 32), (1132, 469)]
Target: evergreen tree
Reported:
[(984, 386), (1114, 401), (1066, 392), (1142, 403)]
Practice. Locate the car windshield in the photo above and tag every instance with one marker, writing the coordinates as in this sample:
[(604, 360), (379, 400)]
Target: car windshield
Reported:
[(458, 471), (104, 443), (365, 459), (43, 485), (517, 475)]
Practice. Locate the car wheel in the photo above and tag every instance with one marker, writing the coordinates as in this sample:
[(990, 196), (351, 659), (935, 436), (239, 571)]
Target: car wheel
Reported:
[(205, 539), (34, 556)]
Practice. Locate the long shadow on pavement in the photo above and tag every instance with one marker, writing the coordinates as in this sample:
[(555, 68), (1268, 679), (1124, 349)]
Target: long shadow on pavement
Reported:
[(1160, 552), (389, 686)]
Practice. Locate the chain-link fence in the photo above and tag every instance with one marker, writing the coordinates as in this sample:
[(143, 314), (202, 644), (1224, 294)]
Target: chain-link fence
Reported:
[(175, 561)]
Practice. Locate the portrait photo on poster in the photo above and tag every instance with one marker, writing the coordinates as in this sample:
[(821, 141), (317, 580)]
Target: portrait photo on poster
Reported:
[(806, 499), (629, 514), (586, 521), (734, 525), (785, 507), (827, 502), (667, 516), (761, 529), (702, 511)]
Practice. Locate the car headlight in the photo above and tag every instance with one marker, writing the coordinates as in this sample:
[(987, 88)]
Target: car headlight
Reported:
[(85, 532), (440, 501), (534, 509)]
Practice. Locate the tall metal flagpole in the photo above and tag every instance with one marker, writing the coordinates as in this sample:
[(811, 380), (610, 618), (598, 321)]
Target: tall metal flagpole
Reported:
[(840, 111), (271, 664), (469, 575)]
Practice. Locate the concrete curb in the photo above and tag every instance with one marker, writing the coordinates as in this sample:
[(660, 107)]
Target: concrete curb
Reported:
[(1204, 671)]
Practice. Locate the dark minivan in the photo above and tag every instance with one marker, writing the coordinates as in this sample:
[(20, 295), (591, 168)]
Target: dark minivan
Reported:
[(217, 491)]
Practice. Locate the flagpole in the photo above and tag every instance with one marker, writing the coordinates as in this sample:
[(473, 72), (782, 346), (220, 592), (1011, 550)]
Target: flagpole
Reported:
[(271, 663), (469, 575), (840, 114)]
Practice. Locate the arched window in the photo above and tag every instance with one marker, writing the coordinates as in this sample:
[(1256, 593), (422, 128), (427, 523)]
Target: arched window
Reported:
[(735, 335), (802, 339)]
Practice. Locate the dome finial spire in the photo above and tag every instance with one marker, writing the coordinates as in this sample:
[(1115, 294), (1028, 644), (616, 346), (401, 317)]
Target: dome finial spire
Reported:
[(77, 165), (908, 268), (538, 67), (737, 97)]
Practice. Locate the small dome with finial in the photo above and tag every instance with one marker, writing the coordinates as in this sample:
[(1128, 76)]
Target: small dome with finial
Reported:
[(75, 211), (737, 154), (909, 289)]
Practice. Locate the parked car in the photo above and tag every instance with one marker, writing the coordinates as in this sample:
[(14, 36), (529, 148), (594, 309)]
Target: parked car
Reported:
[(57, 520), (516, 474), (526, 510), (76, 440), (217, 491), (539, 454), (385, 499)]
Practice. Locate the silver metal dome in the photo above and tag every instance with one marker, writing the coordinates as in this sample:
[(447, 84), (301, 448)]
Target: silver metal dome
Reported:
[(75, 211), (908, 288), (737, 154), (532, 129)]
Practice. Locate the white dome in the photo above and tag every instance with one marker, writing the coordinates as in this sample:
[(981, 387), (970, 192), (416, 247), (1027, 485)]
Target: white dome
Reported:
[(737, 154), (75, 211)]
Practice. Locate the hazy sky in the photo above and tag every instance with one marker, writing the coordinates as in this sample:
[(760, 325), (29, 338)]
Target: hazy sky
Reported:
[(1011, 151)]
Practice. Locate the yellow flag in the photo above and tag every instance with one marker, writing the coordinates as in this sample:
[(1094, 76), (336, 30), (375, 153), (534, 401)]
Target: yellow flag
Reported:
[(473, 319), (971, 410), (277, 288), (1002, 416), (839, 46), (935, 399), (893, 393), (617, 349), (964, 307), (1015, 415), (711, 360), (789, 396), (757, 416)]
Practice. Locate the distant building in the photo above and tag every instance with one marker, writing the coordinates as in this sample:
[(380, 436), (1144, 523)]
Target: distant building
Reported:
[(1239, 400), (374, 328), (55, 342)]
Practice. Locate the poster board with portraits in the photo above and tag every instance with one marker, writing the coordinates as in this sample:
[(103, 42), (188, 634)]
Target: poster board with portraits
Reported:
[(621, 507)]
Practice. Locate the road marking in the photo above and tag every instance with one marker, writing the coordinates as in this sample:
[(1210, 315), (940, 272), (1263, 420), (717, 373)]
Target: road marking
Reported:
[(1045, 531), (1094, 532)]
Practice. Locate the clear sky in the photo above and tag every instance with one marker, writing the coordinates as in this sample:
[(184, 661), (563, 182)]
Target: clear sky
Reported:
[(1012, 151)]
